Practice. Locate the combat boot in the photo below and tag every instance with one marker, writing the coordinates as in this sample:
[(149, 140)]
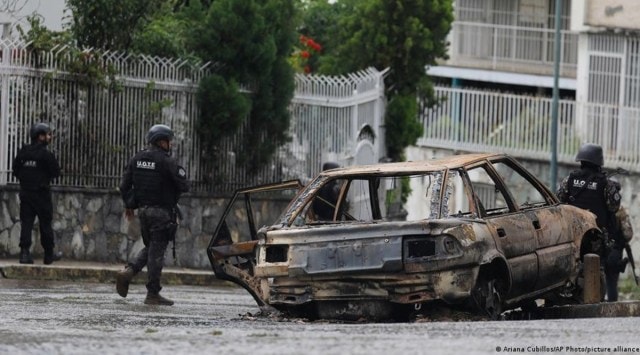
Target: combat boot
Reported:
[(123, 279), (50, 257), (156, 299), (25, 256)]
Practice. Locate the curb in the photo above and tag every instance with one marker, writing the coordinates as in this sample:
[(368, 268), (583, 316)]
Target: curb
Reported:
[(92, 272), (594, 310)]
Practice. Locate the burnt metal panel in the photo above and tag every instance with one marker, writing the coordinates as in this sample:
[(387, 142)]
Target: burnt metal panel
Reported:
[(556, 263), (364, 255), (515, 234), (524, 273), (553, 228)]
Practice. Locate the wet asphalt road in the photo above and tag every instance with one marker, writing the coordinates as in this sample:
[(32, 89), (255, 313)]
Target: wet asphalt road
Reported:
[(46, 317)]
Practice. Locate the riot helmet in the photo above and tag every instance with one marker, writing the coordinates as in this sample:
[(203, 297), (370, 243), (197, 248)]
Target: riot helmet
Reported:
[(330, 165), (37, 129), (591, 153), (159, 132)]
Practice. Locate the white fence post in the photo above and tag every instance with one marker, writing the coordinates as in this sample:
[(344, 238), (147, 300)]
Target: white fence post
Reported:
[(327, 114), (4, 114)]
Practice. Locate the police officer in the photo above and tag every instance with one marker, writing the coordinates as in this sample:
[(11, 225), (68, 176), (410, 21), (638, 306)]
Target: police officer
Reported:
[(324, 207), (590, 189), (35, 167), (152, 182), (615, 263)]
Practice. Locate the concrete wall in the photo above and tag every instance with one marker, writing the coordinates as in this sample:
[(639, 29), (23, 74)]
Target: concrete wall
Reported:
[(612, 14), (89, 225), (594, 15)]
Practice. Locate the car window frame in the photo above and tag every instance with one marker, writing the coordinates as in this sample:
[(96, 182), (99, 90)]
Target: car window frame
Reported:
[(549, 197), (246, 196), (499, 183)]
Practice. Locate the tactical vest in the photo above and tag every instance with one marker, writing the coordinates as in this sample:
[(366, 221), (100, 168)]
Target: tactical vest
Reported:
[(586, 190), (34, 173), (149, 181)]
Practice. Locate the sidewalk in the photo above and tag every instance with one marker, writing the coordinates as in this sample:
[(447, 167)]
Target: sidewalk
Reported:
[(87, 271)]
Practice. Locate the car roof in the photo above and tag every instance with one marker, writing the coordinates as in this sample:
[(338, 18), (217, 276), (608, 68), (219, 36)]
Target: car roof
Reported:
[(450, 162)]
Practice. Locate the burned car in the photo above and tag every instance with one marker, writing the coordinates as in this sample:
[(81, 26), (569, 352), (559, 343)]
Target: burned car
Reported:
[(481, 232)]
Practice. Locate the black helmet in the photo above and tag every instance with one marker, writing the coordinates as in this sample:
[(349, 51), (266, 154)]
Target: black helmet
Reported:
[(591, 153), (159, 132), (38, 129), (330, 165)]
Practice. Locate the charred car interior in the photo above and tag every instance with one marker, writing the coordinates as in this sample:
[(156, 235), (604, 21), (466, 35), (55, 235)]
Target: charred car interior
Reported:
[(481, 233)]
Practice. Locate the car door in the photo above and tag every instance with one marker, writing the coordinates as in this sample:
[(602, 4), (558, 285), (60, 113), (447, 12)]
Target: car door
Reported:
[(231, 250), (556, 252), (514, 232)]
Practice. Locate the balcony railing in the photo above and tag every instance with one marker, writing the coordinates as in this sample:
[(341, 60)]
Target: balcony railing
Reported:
[(481, 121), (511, 48)]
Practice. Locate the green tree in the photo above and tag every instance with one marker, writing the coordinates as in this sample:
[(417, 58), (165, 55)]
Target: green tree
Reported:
[(404, 35), (250, 41), (110, 24), (164, 35)]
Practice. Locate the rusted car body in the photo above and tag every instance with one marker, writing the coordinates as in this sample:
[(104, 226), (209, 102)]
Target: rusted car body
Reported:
[(486, 234)]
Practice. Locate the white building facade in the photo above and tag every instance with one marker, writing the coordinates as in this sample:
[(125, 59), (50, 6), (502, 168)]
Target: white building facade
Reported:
[(497, 83)]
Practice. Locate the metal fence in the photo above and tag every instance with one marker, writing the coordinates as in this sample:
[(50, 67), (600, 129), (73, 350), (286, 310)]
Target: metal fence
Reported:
[(331, 115), (477, 120), (506, 47), (512, 35), (97, 130)]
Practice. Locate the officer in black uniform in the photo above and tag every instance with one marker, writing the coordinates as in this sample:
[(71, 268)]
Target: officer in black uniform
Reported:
[(324, 208), (590, 189), (35, 166), (152, 182)]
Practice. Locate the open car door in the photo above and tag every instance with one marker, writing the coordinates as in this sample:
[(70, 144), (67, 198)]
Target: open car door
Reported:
[(231, 250)]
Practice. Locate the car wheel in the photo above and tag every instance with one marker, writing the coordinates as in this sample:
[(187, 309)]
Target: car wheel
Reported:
[(487, 298)]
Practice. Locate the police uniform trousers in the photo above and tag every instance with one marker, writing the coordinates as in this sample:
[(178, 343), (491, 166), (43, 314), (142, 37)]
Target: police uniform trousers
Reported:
[(612, 272), (155, 224), (36, 203)]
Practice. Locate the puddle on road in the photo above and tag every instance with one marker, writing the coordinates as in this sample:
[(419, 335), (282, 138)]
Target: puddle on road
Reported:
[(435, 315)]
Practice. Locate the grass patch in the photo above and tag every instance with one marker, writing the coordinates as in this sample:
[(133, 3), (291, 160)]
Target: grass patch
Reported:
[(628, 289)]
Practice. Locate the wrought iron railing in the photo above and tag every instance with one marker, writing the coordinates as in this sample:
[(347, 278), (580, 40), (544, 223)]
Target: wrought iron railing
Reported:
[(97, 130), (520, 125), (509, 48)]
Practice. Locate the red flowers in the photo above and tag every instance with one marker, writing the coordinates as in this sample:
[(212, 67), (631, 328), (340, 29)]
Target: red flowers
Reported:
[(310, 43), (305, 56)]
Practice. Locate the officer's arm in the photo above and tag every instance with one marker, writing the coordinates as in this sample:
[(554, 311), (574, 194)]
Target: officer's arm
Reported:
[(178, 176), (127, 180), (612, 195), (53, 166), (563, 191)]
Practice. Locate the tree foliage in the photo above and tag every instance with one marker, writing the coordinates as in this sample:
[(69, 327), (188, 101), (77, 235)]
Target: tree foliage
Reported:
[(249, 42), (109, 24), (404, 35), (222, 109), (252, 40)]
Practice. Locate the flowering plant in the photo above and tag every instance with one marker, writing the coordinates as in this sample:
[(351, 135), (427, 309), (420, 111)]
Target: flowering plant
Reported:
[(304, 57)]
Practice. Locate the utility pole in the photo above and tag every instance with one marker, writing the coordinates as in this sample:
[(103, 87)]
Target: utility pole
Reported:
[(554, 105)]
